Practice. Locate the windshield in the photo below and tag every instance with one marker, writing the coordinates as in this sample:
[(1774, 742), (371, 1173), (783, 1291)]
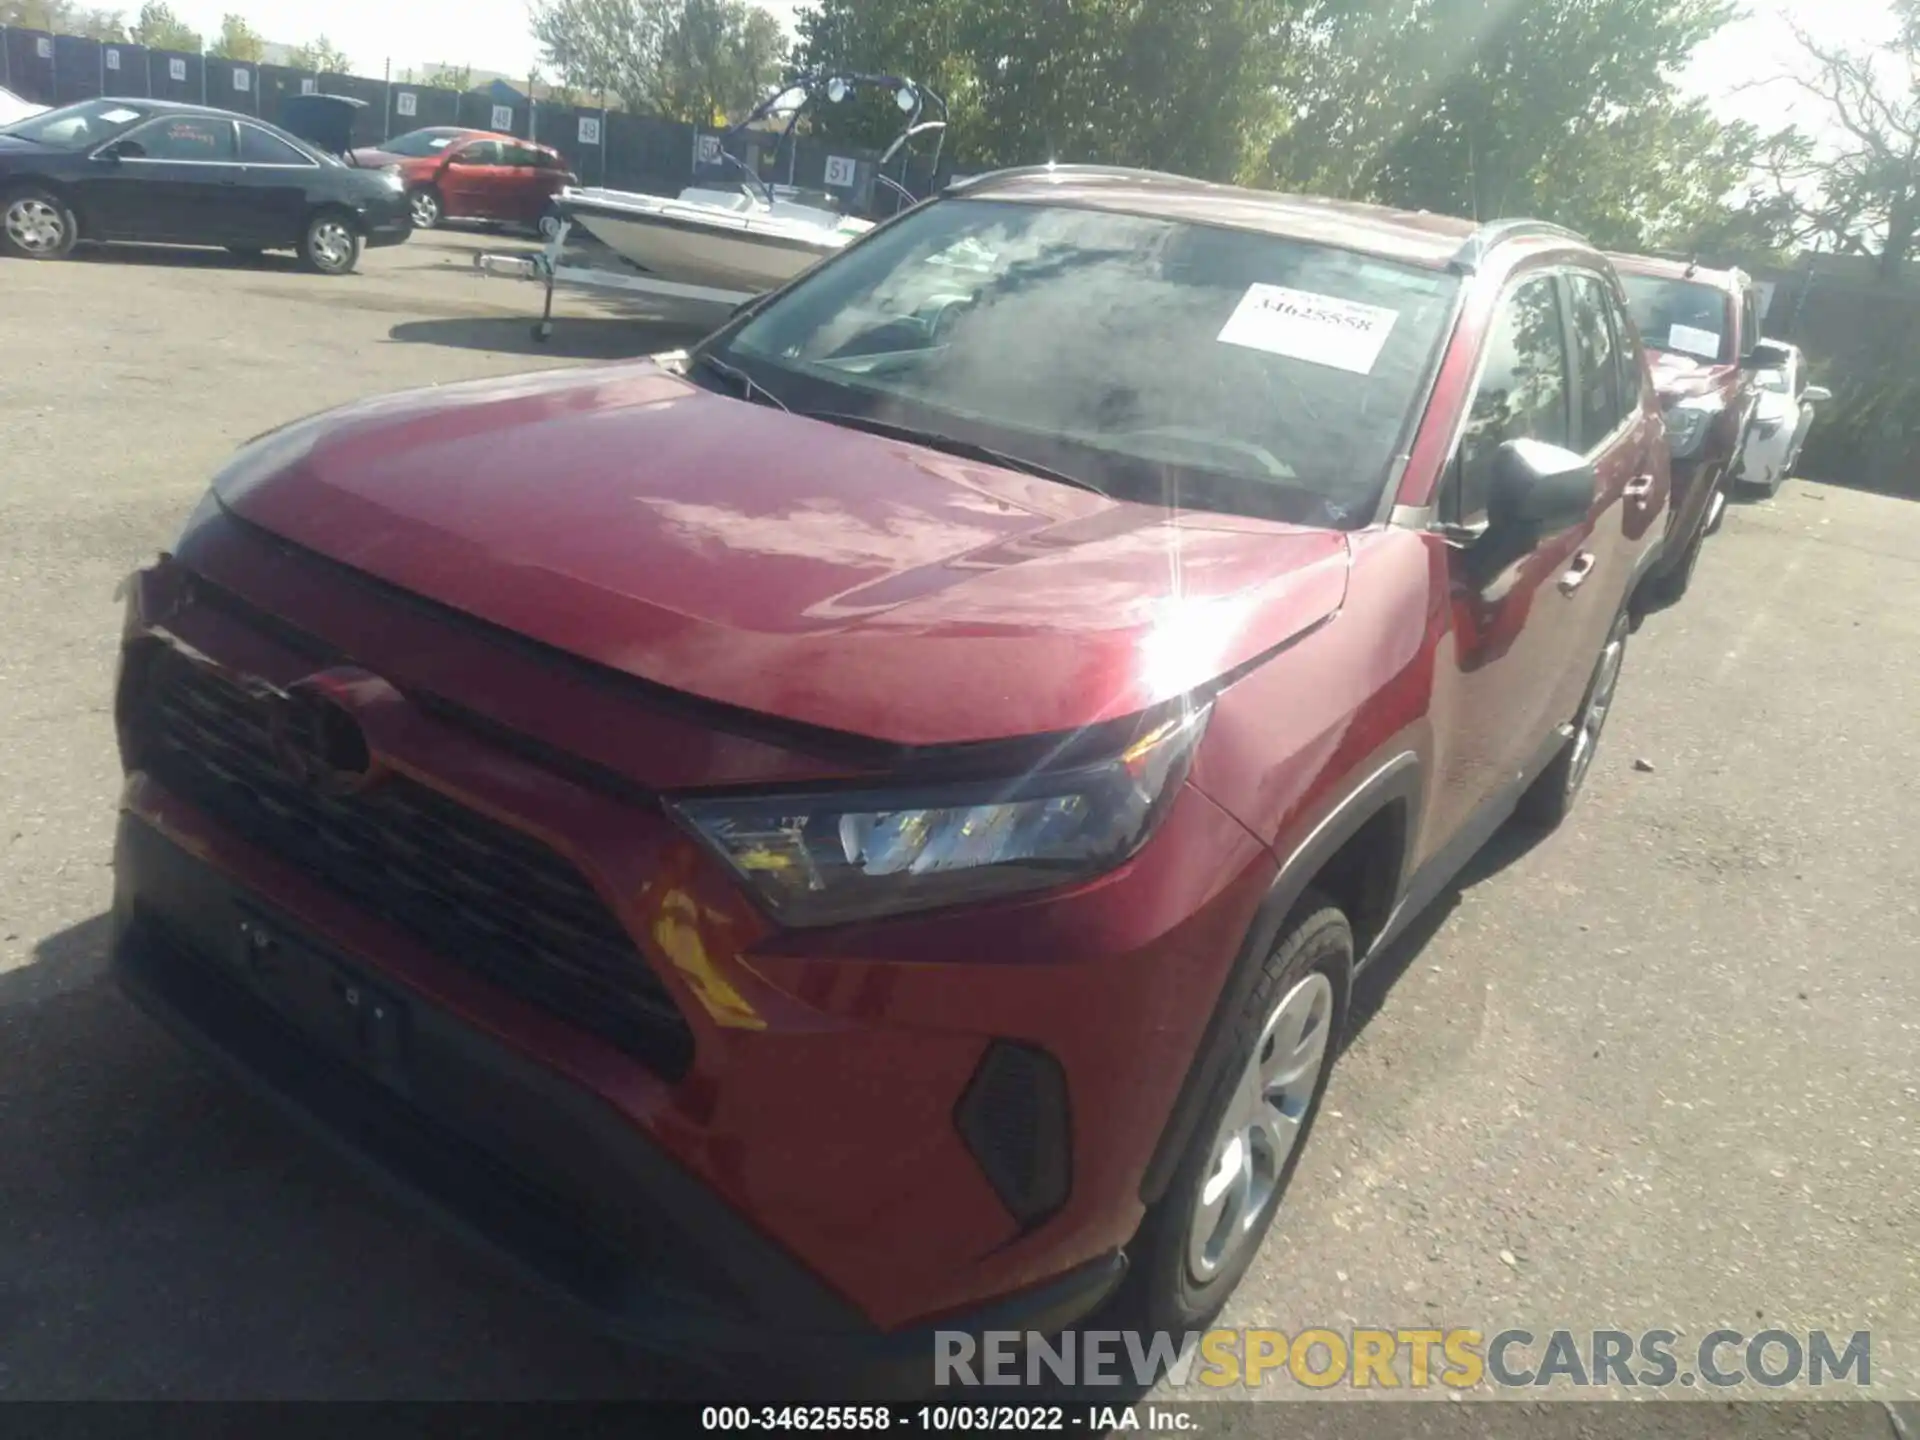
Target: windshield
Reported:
[(418, 143), (1680, 315), (76, 127), (1154, 359)]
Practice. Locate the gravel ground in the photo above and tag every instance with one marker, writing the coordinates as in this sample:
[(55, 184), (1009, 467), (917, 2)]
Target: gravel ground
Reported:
[(1661, 1071)]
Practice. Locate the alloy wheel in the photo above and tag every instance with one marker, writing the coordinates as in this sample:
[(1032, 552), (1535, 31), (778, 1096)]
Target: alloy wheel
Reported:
[(332, 244), (1258, 1133), (35, 226), (1593, 717), (426, 210)]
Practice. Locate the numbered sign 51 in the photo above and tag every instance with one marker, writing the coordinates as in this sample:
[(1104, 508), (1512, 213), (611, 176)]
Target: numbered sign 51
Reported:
[(406, 103), (503, 117), (589, 130), (840, 172)]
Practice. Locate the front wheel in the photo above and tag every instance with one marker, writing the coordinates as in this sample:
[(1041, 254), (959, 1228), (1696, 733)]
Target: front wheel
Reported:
[(1550, 798), (36, 224), (1199, 1238), (332, 246), (424, 206)]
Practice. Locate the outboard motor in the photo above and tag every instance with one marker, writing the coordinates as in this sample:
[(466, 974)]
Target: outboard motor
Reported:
[(323, 121)]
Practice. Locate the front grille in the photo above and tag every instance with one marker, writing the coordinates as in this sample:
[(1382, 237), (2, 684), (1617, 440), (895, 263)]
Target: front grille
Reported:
[(476, 892)]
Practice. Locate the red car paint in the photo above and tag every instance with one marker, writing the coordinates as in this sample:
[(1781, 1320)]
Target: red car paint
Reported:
[(483, 176), (1679, 376), (796, 603)]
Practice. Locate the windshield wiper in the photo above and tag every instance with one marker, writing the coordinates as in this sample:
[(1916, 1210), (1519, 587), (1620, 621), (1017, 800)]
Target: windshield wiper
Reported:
[(965, 449), (749, 387)]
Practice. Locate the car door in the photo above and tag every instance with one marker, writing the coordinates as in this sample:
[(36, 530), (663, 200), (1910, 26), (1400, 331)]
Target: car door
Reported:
[(472, 181), (1614, 431), (525, 196), (1516, 632), (276, 179), (176, 178)]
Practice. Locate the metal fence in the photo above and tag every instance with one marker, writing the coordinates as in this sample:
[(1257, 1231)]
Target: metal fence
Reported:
[(604, 147)]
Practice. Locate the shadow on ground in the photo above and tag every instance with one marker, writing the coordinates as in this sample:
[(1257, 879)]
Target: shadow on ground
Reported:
[(584, 337), (184, 257)]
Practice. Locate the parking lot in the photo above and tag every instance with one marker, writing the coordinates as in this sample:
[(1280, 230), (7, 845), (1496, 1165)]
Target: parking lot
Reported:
[(1661, 1070)]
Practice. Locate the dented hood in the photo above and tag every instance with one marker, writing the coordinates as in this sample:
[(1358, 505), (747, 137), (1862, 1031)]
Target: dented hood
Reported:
[(781, 564)]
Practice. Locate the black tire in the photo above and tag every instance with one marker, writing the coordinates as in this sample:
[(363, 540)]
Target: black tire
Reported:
[(36, 224), (1162, 1290), (332, 243), (1550, 799), (426, 208)]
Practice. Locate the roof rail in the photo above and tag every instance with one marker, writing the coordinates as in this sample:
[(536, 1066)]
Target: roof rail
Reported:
[(1473, 254)]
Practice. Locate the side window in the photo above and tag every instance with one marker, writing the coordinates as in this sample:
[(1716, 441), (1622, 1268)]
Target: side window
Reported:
[(1598, 405), (257, 147), (1749, 317), (182, 137), (1630, 360), (1523, 389), (479, 152)]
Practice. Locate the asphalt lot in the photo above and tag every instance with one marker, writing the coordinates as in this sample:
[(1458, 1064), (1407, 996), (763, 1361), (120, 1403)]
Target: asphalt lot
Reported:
[(1662, 1070)]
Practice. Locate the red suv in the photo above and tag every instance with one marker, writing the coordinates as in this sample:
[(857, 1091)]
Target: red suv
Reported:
[(870, 827), (453, 174), (1700, 327)]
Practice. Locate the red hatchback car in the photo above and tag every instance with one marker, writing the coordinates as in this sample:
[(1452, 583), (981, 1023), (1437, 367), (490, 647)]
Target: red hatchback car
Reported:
[(454, 174), (870, 827)]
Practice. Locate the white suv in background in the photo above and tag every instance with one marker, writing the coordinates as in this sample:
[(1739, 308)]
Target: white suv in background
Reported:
[(13, 109), (1781, 416)]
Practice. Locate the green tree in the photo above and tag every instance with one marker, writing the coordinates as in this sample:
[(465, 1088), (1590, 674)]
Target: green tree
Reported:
[(685, 59), (63, 17), (319, 55), (450, 77), (1462, 106), (1189, 85), (159, 28), (238, 40), (1857, 192)]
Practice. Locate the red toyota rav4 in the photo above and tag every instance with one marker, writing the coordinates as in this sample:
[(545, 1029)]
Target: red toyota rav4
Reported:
[(1700, 327), (869, 827)]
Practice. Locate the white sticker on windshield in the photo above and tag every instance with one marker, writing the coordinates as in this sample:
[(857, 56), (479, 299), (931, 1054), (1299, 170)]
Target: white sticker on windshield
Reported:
[(119, 117), (1690, 341), (1304, 326)]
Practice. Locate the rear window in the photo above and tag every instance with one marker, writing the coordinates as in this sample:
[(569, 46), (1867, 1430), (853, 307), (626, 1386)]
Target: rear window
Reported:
[(1210, 368), (1684, 317)]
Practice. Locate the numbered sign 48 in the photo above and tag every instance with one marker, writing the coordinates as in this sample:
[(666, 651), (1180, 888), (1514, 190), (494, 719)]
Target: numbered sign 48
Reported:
[(177, 69), (840, 172), (503, 117), (406, 103), (589, 130)]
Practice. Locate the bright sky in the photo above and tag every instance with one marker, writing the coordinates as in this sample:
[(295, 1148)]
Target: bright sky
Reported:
[(493, 35)]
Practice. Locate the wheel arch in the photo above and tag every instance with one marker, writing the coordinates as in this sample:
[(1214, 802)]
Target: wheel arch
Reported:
[(1359, 856)]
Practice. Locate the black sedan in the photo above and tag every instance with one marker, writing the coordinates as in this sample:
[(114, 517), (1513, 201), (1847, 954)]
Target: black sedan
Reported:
[(187, 175)]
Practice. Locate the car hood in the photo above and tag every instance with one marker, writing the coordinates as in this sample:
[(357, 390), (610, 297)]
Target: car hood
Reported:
[(1678, 377), (783, 565), (14, 145)]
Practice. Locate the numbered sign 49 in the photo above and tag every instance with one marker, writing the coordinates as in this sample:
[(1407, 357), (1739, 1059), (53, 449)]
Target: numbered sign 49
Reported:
[(503, 117), (43, 47), (242, 80), (176, 69), (840, 172), (113, 59), (589, 130)]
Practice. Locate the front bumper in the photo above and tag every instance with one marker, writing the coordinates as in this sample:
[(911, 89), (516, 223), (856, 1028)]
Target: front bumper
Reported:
[(511, 1156)]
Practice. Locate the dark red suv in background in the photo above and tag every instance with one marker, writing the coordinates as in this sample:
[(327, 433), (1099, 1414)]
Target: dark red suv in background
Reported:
[(1700, 327), (454, 174), (870, 827)]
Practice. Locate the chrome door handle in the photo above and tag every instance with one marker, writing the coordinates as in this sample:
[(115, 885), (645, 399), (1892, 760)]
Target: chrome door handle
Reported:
[(1577, 573), (1640, 487)]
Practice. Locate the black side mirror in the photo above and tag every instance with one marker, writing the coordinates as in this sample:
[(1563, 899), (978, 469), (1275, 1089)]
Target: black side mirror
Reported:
[(111, 153), (1538, 489)]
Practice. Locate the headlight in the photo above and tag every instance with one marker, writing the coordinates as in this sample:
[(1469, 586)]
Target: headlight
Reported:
[(829, 857), (1688, 423)]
